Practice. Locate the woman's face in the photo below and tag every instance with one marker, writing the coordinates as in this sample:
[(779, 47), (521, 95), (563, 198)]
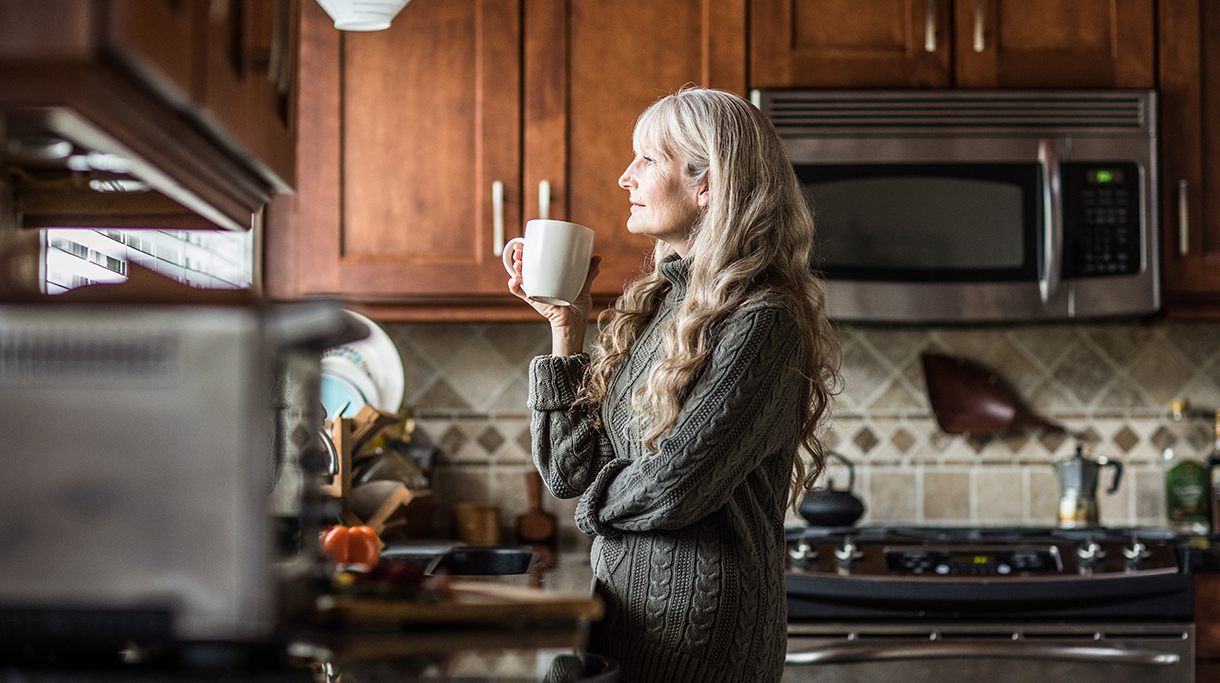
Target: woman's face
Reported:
[(663, 205)]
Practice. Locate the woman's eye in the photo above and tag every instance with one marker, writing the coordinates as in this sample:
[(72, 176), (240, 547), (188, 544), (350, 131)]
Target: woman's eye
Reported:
[(648, 160)]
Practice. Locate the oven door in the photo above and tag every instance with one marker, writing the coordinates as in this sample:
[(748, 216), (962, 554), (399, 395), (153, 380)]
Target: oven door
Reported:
[(1079, 653)]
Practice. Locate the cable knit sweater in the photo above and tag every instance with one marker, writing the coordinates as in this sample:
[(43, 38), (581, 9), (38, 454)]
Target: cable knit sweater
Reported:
[(688, 540)]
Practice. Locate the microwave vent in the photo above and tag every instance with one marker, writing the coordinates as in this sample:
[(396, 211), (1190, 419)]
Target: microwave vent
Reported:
[(814, 112), (58, 356)]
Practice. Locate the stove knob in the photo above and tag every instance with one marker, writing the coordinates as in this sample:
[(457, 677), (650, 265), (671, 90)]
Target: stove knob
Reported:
[(803, 554), (848, 553), (1137, 552), (1090, 552)]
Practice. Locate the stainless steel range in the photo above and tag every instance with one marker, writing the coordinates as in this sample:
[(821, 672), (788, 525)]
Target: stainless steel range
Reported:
[(996, 604)]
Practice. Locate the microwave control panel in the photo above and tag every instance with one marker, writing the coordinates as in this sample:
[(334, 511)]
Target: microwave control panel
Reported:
[(1101, 229)]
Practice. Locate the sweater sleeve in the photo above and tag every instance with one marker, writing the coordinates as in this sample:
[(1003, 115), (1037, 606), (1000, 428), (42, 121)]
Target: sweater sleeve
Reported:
[(568, 447), (746, 405)]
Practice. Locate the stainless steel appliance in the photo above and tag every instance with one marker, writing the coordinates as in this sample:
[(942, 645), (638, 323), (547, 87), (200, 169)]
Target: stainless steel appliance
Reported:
[(1004, 605), (135, 458), (948, 206)]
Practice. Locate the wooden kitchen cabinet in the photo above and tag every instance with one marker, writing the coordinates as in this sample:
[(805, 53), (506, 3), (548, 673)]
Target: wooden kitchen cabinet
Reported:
[(180, 88), (403, 134), (953, 43), (1190, 157)]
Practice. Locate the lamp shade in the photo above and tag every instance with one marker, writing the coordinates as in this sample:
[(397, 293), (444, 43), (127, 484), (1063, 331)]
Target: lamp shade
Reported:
[(362, 15)]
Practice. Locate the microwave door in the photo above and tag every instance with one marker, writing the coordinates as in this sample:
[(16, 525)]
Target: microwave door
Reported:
[(934, 241)]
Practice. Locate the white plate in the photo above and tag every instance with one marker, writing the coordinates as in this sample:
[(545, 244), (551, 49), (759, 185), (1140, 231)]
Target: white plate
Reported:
[(376, 359)]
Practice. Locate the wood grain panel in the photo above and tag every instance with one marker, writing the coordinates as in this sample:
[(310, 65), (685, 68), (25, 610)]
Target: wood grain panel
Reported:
[(1190, 152), (849, 43), (1057, 44)]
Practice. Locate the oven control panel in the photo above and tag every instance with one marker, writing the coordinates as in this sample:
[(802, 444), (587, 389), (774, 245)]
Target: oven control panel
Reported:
[(980, 561)]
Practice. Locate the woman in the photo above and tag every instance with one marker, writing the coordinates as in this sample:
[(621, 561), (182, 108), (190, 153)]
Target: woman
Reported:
[(681, 434)]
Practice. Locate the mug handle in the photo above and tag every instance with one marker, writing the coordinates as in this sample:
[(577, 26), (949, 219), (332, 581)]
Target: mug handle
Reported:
[(507, 255)]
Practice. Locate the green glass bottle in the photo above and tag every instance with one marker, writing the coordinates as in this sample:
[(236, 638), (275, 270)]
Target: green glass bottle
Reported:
[(1186, 494)]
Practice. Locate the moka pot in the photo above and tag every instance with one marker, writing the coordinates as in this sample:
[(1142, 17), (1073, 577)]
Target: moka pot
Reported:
[(1078, 477)]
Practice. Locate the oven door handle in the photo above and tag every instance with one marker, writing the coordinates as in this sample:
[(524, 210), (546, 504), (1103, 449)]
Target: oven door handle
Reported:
[(1052, 221), (879, 653)]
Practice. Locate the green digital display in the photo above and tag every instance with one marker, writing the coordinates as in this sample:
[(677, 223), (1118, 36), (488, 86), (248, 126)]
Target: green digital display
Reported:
[(1105, 176)]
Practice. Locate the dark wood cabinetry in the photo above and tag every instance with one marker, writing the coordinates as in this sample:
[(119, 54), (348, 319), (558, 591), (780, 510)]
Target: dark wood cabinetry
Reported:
[(405, 134), (953, 43), (1190, 154)]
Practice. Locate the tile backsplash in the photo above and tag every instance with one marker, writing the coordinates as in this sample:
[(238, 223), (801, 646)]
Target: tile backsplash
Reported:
[(466, 387)]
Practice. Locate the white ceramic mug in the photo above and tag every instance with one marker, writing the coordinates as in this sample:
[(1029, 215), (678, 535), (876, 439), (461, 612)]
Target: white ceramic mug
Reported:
[(555, 260)]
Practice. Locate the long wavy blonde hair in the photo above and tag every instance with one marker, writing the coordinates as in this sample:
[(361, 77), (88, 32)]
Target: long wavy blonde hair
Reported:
[(753, 238)]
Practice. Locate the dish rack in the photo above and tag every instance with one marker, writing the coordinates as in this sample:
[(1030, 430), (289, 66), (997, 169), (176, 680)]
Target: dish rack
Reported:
[(378, 504)]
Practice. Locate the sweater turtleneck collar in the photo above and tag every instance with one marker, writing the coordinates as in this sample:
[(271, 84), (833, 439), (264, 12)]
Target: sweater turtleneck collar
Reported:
[(677, 270)]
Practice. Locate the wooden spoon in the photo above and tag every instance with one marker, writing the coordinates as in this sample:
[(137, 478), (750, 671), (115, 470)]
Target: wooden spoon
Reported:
[(968, 398)]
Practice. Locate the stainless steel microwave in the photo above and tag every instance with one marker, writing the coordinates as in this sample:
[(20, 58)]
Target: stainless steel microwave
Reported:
[(978, 206)]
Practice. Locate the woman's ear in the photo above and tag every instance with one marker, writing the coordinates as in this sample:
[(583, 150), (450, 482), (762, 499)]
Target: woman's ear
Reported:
[(704, 196)]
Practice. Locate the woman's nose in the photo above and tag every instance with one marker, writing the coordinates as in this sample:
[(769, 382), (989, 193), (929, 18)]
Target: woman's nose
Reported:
[(625, 181)]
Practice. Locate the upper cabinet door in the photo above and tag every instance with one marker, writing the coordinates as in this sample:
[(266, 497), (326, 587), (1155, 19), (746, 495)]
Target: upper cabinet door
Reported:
[(591, 68), (1056, 43), (248, 80), (1190, 156), (851, 43), (403, 134)]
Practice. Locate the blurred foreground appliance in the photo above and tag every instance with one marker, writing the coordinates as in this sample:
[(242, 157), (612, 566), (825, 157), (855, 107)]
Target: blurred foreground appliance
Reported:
[(136, 458), (970, 206), (1001, 604)]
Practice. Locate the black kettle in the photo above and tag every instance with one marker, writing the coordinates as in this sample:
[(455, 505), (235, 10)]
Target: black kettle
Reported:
[(831, 507)]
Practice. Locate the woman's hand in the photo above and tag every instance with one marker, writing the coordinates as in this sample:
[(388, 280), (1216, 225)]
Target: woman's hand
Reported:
[(568, 323)]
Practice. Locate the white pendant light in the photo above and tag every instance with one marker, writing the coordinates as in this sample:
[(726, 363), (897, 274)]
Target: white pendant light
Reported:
[(362, 15)]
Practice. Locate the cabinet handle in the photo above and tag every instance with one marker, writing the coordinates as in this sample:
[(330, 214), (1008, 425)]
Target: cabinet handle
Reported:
[(1183, 220), (1052, 221), (929, 27), (544, 199), (497, 218), (978, 26)]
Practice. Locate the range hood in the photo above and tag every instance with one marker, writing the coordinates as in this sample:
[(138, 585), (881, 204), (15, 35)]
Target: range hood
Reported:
[(143, 113)]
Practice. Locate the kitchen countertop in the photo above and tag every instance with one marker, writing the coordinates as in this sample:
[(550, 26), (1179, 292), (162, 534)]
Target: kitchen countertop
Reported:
[(512, 651), (518, 651)]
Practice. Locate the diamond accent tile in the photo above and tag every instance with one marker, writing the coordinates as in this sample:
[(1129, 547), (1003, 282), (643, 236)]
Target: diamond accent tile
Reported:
[(1200, 437), (490, 439), (1163, 438), (452, 441), (940, 441), (866, 440), (902, 440), (525, 440), (978, 442), (1015, 440), (1126, 439), (1052, 440)]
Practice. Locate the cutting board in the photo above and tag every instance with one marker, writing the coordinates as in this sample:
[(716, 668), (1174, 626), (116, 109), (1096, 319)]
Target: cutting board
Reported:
[(469, 602)]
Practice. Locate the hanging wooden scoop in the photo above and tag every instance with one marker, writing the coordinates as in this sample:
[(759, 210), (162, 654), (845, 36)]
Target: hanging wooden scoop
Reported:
[(536, 526), (967, 398)]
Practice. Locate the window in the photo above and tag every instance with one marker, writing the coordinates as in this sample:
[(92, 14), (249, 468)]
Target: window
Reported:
[(208, 259)]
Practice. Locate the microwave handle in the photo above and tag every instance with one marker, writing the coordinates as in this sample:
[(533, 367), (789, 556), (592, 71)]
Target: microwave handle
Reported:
[(1052, 221)]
